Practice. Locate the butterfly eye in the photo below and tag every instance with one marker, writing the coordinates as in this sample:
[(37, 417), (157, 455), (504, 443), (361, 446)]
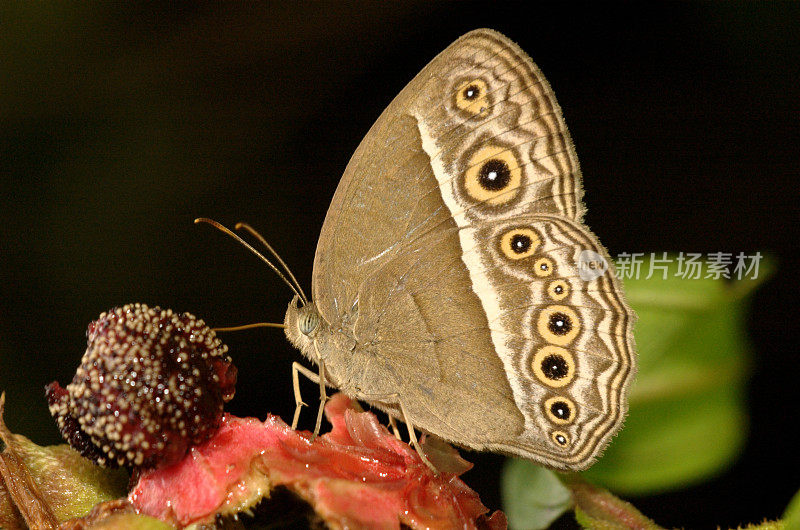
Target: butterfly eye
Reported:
[(307, 322)]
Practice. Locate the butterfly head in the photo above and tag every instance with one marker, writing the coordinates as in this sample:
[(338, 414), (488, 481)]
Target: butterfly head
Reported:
[(303, 324)]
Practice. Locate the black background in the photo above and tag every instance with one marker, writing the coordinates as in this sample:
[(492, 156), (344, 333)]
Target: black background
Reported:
[(122, 123)]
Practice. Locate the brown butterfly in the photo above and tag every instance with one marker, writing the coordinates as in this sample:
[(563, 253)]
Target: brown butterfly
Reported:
[(455, 286)]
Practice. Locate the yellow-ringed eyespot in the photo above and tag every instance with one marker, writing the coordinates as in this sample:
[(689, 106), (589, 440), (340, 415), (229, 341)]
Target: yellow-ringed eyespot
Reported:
[(558, 289), (558, 324), (472, 96), (543, 267), (560, 410), (560, 437), (554, 366), (519, 243), (493, 175)]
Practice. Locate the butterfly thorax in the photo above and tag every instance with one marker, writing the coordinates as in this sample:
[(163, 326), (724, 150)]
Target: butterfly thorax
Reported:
[(352, 366)]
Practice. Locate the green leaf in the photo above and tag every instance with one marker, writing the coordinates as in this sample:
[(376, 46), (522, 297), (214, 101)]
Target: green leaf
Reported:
[(56, 477), (533, 497), (71, 484), (687, 416), (791, 518), (673, 443)]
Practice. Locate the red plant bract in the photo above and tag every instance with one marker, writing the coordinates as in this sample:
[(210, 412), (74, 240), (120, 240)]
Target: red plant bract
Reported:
[(358, 475)]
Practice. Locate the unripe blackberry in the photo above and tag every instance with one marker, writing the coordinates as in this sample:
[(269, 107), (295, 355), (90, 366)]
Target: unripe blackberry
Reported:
[(151, 384)]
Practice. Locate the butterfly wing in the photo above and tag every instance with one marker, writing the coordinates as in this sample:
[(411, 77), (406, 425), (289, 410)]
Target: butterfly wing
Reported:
[(386, 196), (432, 255)]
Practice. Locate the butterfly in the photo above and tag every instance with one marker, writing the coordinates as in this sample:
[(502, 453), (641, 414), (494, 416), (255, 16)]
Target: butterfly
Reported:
[(455, 286)]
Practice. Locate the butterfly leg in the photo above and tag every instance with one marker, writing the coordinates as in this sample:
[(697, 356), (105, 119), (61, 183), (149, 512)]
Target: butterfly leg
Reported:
[(393, 425), (412, 435), (323, 398), (297, 369)]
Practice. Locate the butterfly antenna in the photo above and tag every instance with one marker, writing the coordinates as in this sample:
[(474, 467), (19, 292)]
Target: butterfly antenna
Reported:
[(251, 326), (258, 236), (254, 251)]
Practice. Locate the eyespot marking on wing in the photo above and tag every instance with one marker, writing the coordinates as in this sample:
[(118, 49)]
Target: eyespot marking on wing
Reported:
[(543, 267), (561, 438), (558, 324), (519, 243), (493, 175), (471, 96), (558, 289), (554, 366), (560, 410)]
